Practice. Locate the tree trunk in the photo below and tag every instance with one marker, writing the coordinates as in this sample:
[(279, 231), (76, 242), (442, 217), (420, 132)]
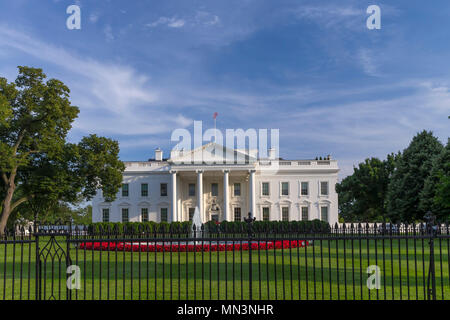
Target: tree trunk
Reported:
[(11, 185), (6, 210)]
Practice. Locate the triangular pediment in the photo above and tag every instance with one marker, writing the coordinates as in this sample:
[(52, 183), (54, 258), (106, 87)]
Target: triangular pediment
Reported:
[(212, 153)]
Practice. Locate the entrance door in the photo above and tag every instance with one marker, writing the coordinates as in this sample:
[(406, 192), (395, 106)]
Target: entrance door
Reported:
[(215, 216)]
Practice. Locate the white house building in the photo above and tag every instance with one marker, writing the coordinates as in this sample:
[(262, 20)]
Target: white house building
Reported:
[(271, 188)]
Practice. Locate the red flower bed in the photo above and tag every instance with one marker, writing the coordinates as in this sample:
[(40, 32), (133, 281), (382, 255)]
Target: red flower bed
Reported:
[(174, 247)]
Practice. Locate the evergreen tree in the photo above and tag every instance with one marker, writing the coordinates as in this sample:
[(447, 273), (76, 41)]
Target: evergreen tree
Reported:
[(435, 196), (408, 179)]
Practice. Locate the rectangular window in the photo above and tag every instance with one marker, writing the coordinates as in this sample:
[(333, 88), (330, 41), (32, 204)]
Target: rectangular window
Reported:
[(125, 190), (285, 213), (237, 214), (285, 188), (214, 189), (266, 214), (105, 215), (305, 214), (237, 189), (324, 188), (163, 189), (144, 214), (324, 213), (304, 188), (191, 189), (265, 188), (164, 215), (125, 217), (191, 213), (144, 190)]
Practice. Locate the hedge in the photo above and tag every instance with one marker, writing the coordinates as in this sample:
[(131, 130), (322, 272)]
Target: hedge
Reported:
[(312, 226)]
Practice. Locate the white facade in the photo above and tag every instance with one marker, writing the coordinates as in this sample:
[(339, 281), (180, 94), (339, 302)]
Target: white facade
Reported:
[(223, 190)]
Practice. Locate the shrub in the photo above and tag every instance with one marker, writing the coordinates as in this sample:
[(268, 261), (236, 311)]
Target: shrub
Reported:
[(313, 226)]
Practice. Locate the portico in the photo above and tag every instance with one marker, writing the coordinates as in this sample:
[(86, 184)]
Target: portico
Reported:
[(216, 193)]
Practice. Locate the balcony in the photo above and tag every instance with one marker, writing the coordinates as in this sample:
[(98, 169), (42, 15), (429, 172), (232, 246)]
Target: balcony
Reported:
[(299, 164), (144, 165)]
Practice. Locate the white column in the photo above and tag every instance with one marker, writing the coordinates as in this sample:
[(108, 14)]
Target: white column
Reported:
[(252, 193), (226, 197), (318, 210), (174, 195), (200, 193)]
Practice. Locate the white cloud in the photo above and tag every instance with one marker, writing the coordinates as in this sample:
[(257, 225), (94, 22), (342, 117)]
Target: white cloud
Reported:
[(93, 17), (206, 18), (330, 16), (365, 127), (176, 23), (170, 22), (327, 12), (113, 98), (350, 124), (107, 30), (367, 61), (201, 18), (437, 94)]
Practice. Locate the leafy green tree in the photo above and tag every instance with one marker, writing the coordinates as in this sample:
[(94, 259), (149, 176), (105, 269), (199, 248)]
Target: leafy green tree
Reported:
[(36, 162), (442, 197), (408, 179), (83, 215), (435, 196), (51, 212), (362, 194), (66, 212)]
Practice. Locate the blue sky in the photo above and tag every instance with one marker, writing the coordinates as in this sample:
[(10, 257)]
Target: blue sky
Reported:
[(140, 69)]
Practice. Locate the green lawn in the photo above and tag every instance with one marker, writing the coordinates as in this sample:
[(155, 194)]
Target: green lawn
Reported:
[(111, 275)]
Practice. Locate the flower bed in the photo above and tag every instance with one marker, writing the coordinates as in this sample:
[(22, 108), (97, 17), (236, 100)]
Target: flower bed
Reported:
[(182, 247)]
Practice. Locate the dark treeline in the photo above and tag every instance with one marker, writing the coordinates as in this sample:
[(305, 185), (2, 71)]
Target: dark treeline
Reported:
[(401, 188)]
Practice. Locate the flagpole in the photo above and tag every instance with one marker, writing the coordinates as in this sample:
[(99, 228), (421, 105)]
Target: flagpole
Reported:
[(215, 138), (215, 128)]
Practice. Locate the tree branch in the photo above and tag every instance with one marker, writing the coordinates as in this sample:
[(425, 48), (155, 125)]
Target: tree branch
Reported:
[(31, 152), (21, 200), (5, 178), (19, 140)]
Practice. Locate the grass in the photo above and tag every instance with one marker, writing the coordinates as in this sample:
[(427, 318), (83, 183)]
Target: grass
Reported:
[(334, 269)]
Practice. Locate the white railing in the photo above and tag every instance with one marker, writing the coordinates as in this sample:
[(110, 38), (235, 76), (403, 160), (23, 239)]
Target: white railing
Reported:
[(293, 163), (301, 163)]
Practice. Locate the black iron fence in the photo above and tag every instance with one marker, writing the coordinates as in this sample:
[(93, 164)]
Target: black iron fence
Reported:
[(362, 261)]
